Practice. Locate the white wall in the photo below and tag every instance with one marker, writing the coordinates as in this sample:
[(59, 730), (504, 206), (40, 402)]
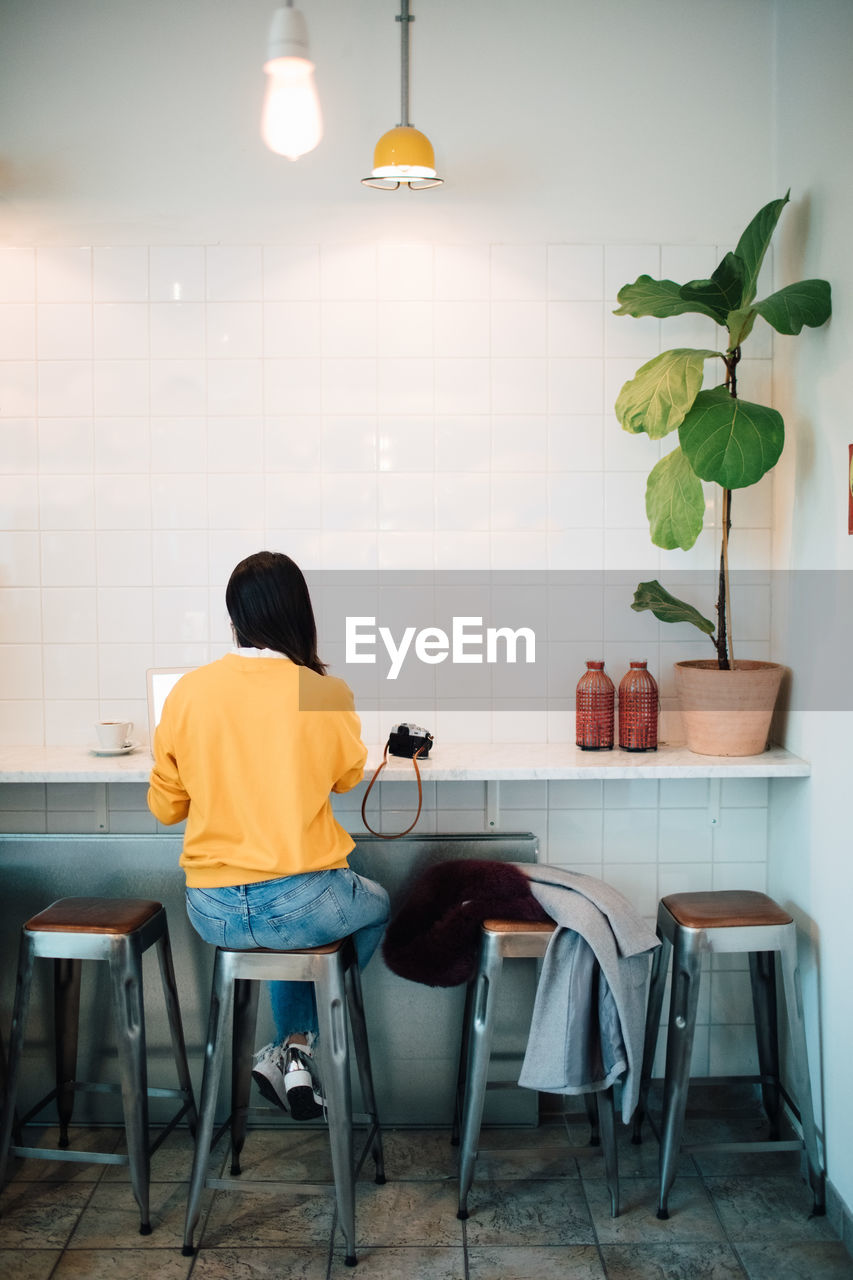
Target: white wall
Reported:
[(810, 848)]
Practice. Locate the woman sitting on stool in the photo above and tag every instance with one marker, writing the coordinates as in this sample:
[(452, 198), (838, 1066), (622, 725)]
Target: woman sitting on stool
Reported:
[(248, 749)]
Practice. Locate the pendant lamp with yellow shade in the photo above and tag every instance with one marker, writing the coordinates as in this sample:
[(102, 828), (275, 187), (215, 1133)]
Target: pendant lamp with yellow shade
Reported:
[(404, 156)]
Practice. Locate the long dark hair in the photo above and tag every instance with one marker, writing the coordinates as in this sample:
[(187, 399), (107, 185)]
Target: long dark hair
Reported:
[(270, 608)]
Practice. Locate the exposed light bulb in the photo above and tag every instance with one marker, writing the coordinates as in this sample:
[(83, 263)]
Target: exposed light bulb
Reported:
[(292, 123)]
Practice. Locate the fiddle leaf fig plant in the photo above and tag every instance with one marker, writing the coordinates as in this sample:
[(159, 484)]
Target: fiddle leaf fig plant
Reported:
[(721, 438)]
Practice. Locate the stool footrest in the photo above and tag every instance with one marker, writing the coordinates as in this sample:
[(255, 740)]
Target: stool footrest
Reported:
[(73, 1157), (785, 1144)]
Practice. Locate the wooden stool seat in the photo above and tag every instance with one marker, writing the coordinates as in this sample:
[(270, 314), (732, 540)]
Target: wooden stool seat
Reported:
[(519, 926), (725, 909), (94, 915)]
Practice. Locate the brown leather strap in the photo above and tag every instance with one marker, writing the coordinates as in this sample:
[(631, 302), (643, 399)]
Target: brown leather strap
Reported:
[(519, 926), (94, 915), (725, 909), (397, 835)]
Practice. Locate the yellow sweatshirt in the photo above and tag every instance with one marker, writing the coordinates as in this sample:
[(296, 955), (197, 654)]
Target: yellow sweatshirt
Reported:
[(247, 750)]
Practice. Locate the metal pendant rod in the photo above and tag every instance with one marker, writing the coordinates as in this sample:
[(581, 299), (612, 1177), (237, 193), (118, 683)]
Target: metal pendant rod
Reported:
[(404, 18)]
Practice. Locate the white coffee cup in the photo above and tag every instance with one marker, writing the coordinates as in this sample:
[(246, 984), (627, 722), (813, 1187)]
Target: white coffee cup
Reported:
[(113, 734)]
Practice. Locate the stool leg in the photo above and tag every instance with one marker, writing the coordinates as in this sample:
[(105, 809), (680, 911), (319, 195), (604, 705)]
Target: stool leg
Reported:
[(762, 973), (221, 1001), (463, 1067), (362, 1058), (679, 1046), (481, 1025), (657, 986), (800, 1065), (126, 980), (331, 1011), (245, 1020), (66, 1017), (23, 983), (176, 1028), (592, 1115), (607, 1124)]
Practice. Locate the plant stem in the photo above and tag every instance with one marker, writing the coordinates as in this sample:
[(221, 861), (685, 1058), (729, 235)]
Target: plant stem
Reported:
[(724, 611)]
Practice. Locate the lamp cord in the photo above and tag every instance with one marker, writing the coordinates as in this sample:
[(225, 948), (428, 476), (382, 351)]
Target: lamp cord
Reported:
[(381, 766), (404, 18)]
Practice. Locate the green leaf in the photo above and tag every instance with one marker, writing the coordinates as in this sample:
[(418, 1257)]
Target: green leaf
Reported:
[(661, 298), (656, 399), (675, 503), (732, 442), (722, 293), (739, 324), (809, 302), (651, 595), (754, 242)]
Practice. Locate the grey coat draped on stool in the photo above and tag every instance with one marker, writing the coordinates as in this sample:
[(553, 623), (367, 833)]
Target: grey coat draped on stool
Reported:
[(589, 1014)]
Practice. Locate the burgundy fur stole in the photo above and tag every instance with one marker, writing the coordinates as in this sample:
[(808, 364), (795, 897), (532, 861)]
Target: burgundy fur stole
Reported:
[(434, 936)]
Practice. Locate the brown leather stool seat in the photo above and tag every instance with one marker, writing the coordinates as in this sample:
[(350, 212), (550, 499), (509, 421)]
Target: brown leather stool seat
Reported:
[(118, 931), (690, 925)]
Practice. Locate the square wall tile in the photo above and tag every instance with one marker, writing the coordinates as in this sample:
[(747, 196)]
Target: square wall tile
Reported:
[(234, 501), (177, 330), (462, 271), (575, 501), (404, 327), (623, 263), (575, 386), (575, 835), (291, 271), (64, 388), (348, 271), (685, 836), (123, 612), (179, 501), (17, 275), (295, 501), (19, 559), (462, 442), (519, 502), (180, 558), (462, 327), (519, 386), (291, 328), (18, 330), (462, 501), (18, 446), (18, 395), (22, 723), (123, 502), (235, 444), (69, 614), (349, 443), (630, 835), (176, 273), (462, 386), (19, 502), (576, 271), (292, 443), (404, 270), (121, 669), (406, 443), (64, 275), (120, 331), (124, 558), (233, 273), (519, 443), (741, 836), (405, 386), (65, 446), (68, 559), (349, 386), (181, 614), (123, 445), (519, 271), (235, 387), (21, 671), (178, 388), (66, 502), (519, 328), (234, 330), (292, 386), (70, 671), (120, 274), (575, 329), (121, 388), (575, 442)]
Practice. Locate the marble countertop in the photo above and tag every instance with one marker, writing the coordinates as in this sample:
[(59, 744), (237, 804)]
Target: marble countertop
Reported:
[(451, 762)]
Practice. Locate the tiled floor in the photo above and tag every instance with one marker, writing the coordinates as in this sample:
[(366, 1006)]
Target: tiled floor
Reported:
[(537, 1212)]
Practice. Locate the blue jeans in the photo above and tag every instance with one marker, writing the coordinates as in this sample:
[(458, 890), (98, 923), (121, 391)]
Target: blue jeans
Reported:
[(295, 911)]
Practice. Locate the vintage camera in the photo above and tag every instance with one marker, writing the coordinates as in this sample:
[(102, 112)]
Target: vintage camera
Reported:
[(406, 739)]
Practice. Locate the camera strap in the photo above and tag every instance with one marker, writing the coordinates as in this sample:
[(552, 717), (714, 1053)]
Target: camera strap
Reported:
[(379, 769)]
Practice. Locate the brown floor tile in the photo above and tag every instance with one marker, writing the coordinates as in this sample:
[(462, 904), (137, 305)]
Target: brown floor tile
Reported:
[(771, 1209), (692, 1213), (672, 1262), (122, 1264), (28, 1264), (539, 1213), (825, 1260), (422, 1154), (41, 1215), (580, 1261), (281, 1214), (407, 1214), (413, 1263), (171, 1162), (111, 1219), (261, 1264)]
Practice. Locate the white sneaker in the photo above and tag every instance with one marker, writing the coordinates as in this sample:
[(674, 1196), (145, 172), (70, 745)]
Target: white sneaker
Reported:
[(302, 1089), (268, 1074)]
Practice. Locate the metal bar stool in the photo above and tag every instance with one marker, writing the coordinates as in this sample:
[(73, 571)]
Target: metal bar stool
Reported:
[(724, 922), (333, 969), (118, 930), (510, 940)]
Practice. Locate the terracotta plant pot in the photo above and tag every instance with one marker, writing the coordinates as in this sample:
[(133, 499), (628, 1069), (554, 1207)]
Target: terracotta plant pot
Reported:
[(727, 713)]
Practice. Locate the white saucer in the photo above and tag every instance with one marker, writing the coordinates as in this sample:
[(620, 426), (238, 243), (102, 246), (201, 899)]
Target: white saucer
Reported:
[(114, 751)]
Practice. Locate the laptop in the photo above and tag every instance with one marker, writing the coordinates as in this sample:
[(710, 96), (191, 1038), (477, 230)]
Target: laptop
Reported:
[(160, 682)]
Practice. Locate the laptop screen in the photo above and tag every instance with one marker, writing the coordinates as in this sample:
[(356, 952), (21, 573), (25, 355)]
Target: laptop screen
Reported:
[(160, 682)]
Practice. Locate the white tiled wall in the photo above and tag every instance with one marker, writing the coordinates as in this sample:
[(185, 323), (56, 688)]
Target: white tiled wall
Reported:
[(164, 411)]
